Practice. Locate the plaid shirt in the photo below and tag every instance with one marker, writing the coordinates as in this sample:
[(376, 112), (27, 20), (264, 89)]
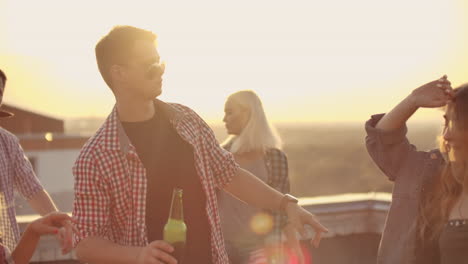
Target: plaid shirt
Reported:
[(16, 173), (277, 166), (110, 180)]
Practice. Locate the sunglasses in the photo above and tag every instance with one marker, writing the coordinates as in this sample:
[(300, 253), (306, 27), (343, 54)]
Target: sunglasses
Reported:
[(155, 70)]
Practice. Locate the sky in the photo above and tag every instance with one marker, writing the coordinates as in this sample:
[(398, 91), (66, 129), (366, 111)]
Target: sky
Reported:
[(309, 61)]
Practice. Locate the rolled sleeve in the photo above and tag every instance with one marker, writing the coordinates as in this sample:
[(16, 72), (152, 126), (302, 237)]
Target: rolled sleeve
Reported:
[(92, 202), (390, 150), (25, 180), (385, 137)]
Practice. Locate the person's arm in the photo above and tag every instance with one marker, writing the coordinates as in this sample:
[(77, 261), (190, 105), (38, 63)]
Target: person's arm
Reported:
[(92, 214), (42, 203), (25, 180), (27, 183), (434, 94), (386, 140), (254, 192), (99, 250), (91, 211), (248, 188), (48, 224), (25, 248)]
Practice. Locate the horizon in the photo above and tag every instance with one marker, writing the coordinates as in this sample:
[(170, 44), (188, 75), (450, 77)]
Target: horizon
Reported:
[(321, 62), (436, 120)]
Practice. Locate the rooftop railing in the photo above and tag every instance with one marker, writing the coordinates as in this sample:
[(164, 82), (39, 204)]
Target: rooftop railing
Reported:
[(355, 222)]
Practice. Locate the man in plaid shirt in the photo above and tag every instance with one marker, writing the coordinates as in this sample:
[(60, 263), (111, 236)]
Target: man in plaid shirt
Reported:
[(125, 173), (17, 174)]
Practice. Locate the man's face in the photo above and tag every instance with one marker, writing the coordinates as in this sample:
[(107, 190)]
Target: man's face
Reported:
[(144, 71)]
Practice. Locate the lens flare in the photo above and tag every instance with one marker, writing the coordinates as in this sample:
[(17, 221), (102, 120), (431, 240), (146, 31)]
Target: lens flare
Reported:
[(280, 253), (292, 258), (261, 223)]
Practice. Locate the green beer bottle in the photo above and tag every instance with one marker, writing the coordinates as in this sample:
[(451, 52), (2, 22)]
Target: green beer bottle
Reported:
[(175, 230)]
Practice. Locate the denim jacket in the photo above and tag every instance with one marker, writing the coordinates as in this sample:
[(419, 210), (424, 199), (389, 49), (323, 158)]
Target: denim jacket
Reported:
[(410, 170)]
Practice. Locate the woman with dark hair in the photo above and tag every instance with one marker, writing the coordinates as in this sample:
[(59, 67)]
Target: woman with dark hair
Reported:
[(428, 218)]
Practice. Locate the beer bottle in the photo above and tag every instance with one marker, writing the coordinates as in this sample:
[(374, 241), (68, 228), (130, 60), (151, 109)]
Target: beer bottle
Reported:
[(175, 230)]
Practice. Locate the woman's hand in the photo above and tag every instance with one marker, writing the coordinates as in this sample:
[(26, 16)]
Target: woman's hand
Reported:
[(56, 223), (64, 236), (49, 224), (433, 94)]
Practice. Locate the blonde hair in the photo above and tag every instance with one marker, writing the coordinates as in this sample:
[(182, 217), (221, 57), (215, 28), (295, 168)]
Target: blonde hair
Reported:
[(258, 133), (452, 181)]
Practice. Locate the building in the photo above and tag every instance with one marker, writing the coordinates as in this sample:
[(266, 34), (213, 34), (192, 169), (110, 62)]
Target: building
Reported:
[(51, 151), (27, 122)]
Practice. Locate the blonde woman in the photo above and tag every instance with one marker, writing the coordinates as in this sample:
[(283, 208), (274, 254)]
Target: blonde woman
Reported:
[(428, 218), (257, 148)]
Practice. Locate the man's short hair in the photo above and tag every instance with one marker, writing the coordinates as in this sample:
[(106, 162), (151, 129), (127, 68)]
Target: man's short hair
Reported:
[(3, 77), (116, 47)]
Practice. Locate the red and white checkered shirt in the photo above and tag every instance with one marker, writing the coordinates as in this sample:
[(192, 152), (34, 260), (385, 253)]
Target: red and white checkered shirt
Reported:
[(110, 180), (16, 174)]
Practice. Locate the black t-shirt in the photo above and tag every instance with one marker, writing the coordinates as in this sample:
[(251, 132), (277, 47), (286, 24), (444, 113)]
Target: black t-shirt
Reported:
[(170, 164)]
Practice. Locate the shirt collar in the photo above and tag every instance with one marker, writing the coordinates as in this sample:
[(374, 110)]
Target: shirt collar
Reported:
[(114, 136)]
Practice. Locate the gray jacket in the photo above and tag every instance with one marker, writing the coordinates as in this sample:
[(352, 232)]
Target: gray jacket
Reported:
[(410, 170)]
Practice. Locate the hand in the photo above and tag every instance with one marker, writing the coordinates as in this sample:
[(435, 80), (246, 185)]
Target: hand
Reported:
[(64, 236), (298, 217), (433, 94), (49, 224), (157, 252)]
